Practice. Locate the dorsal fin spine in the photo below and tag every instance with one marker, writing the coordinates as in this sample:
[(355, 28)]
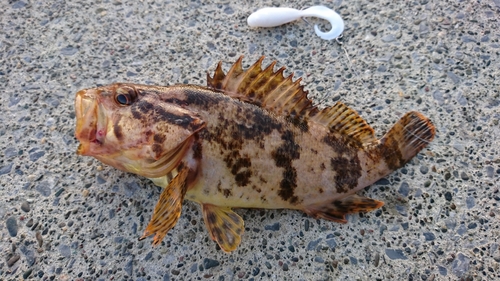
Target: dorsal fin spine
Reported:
[(282, 91), (296, 102), (216, 81), (271, 94), (232, 75), (249, 76), (260, 80)]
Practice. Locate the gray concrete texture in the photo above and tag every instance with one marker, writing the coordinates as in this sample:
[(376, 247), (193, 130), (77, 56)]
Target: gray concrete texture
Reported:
[(66, 217)]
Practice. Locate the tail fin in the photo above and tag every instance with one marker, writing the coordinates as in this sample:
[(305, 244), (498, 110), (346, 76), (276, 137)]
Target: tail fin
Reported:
[(406, 138)]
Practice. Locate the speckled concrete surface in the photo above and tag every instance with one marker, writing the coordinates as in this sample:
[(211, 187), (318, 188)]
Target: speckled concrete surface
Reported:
[(65, 217)]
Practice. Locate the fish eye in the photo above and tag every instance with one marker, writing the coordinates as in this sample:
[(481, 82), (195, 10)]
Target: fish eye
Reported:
[(125, 96)]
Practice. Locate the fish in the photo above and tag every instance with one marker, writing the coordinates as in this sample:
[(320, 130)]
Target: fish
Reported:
[(249, 139)]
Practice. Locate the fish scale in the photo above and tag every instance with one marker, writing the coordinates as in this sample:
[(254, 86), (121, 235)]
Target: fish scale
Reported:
[(250, 139)]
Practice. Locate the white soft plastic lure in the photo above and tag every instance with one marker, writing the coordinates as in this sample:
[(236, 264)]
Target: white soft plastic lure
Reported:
[(274, 16)]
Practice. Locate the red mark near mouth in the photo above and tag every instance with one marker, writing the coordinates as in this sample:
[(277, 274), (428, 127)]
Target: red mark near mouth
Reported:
[(95, 136), (99, 135)]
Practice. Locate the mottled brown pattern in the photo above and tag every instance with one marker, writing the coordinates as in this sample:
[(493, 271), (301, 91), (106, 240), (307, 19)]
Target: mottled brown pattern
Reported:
[(257, 124), (391, 154), (157, 149), (175, 101), (347, 170), (243, 178), (322, 166), (117, 130), (335, 143), (159, 138), (236, 163), (241, 162), (148, 133), (211, 218), (254, 187), (136, 113), (283, 157), (193, 97), (143, 92), (254, 124), (299, 122), (156, 113), (197, 147), (225, 191), (145, 107)]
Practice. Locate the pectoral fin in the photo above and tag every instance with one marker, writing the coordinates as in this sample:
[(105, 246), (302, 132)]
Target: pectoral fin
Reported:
[(168, 208), (336, 210), (224, 225)]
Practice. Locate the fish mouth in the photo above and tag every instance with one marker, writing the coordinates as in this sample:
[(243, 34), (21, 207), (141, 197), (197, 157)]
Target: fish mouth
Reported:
[(90, 121)]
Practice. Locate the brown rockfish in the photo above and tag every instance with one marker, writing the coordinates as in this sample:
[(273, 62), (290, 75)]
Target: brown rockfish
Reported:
[(250, 139)]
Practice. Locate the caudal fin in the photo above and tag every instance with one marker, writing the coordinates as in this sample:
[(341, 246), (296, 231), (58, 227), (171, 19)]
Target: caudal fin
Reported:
[(406, 138)]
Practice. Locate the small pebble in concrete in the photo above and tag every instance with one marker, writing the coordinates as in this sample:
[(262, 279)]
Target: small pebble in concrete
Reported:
[(273, 227), (25, 206), (429, 236), (39, 238), (11, 224), (65, 250), (209, 263), (395, 254), (44, 188), (404, 189), (448, 196), (6, 169), (13, 260), (460, 265), (313, 244)]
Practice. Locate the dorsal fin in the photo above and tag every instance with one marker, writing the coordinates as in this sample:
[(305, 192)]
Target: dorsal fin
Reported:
[(266, 88), (282, 96), (342, 119)]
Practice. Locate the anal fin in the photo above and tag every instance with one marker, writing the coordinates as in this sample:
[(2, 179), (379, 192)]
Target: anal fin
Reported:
[(224, 225), (168, 208), (336, 210)]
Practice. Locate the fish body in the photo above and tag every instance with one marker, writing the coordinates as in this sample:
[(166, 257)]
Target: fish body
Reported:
[(250, 139)]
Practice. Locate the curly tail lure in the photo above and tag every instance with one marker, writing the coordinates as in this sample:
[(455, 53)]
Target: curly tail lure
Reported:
[(275, 16)]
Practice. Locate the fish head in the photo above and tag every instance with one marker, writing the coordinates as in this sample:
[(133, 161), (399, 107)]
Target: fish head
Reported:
[(131, 128)]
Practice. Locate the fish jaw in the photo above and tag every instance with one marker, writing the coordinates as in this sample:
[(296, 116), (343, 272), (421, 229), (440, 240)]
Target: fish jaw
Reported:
[(91, 123)]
